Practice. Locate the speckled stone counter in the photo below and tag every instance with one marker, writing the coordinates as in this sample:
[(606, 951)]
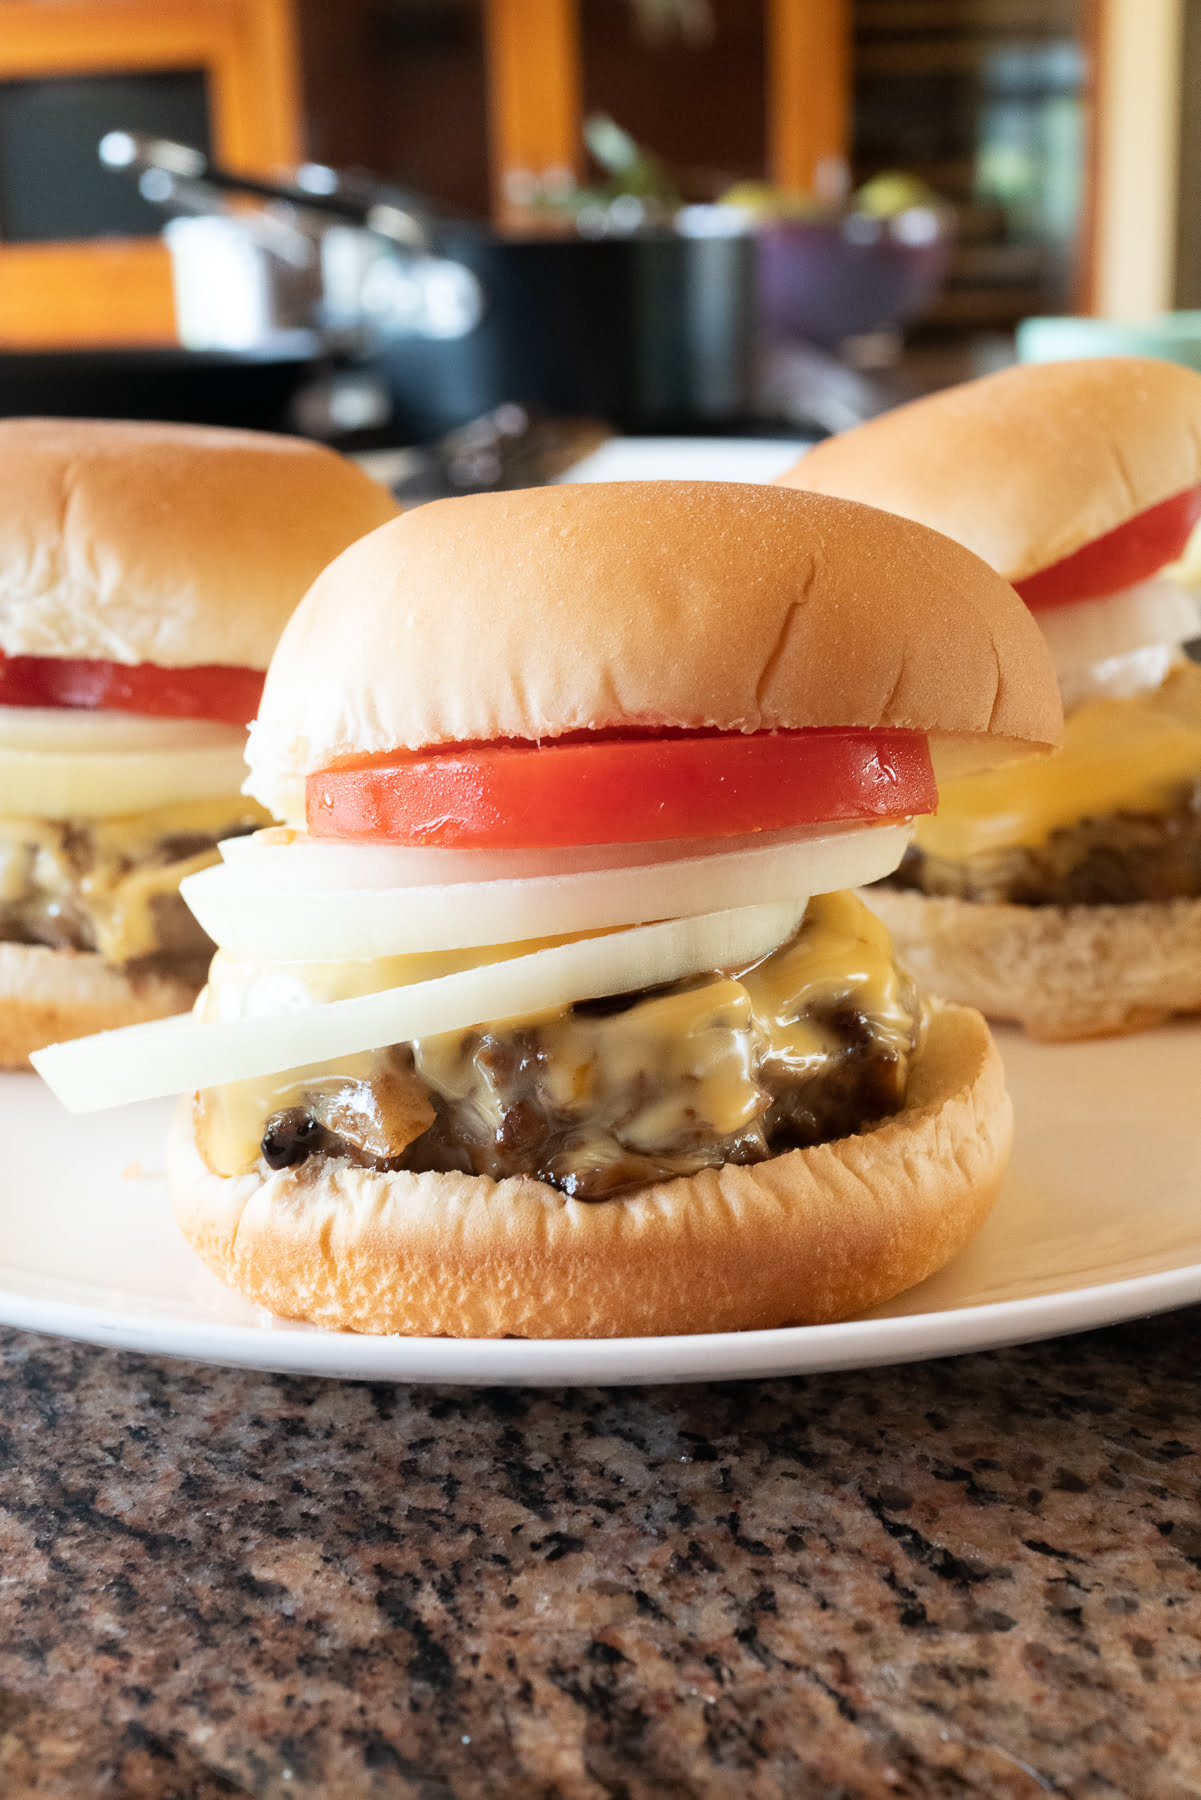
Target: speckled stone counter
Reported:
[(973, 1577)]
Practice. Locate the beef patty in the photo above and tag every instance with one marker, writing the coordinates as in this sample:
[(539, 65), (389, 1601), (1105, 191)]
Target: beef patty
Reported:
[(810, 1044), (1115, 859)]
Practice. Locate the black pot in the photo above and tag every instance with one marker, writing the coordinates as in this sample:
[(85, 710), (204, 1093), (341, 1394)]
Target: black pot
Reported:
[(188, 386), (653, 333)]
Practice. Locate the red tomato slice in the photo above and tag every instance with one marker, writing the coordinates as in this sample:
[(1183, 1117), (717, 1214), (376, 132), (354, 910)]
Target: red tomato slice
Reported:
[(228, 696), (623, 789), (1120, 558)]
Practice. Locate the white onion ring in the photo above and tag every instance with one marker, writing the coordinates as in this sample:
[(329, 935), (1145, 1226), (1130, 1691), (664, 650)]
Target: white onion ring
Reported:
[(48, 784), (272, 904), (60, 762), (1157, 611), (284, 858), (1119, 677), (76, 730), (170, 1056)]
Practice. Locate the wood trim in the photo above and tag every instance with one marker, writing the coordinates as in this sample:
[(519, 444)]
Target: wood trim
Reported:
[(532, 51), (808, 91), (58, 295), (257, 89), (1139, 74), (119, 292)]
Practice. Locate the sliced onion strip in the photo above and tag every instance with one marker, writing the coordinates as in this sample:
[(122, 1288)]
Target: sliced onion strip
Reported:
[(280, 857), (171, 1056), (270, 903), (73, 730), (65, 763), (46, 784), (1157, 611)]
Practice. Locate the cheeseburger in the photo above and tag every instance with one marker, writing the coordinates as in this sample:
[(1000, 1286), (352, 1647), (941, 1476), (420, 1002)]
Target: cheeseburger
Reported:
[(1067, 895), (146, 572), (546, 1012)]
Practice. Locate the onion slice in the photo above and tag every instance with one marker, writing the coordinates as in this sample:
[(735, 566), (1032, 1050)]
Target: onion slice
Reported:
[(48, 784), (281, 857), (65, 763), (1157, 611), (171, 1056), (274, 902), (77, 730)]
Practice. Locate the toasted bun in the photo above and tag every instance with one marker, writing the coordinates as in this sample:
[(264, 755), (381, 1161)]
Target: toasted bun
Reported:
[(1026, 466), (811, 1236), (48, 995), (682, 604), (1062, 972), (171, 544)]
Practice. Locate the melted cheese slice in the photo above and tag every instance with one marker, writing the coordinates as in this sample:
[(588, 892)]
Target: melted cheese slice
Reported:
[(122, 884), (1119, 755), (696, 1040)]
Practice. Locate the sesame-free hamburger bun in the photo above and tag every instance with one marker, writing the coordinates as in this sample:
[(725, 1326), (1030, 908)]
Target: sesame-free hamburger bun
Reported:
[(631, 618), (665, 605), (1028, 465), (179, 545)]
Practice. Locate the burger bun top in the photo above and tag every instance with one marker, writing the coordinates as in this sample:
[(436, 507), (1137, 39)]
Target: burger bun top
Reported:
[(694, 605), (169, 544), (1028, 465)]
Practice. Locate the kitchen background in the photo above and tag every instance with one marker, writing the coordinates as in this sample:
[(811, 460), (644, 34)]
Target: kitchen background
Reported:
[(902, 182)]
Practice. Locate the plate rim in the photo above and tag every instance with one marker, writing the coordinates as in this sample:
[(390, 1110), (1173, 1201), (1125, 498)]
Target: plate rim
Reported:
[(283, 1347)]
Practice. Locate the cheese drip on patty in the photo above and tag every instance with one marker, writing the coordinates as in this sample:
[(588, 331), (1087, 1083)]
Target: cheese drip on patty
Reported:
[(112, 885), (1128, 755), (810, 1042)]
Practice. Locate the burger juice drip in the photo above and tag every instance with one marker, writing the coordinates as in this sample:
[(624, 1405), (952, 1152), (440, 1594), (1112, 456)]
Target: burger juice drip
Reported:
[(809, 1044)]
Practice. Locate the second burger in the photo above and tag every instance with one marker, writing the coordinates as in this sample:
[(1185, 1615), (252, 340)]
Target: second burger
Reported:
[(1067, 895), (146, 571)]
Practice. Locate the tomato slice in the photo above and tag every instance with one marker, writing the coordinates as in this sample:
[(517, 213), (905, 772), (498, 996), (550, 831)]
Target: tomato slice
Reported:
[(1120, 558), (622, 789), (227, 695)]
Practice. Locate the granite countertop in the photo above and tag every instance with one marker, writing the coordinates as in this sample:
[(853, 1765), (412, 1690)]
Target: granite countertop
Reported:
[(970, 1577)]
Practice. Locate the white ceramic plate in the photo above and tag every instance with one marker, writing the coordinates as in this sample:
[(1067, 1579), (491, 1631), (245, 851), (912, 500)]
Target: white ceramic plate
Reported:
[(688, 459), (1100, 1220)]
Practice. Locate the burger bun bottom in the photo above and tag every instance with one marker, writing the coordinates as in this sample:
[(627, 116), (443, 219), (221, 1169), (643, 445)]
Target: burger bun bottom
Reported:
[(48, 995), (1061, 971), (805, 1238)]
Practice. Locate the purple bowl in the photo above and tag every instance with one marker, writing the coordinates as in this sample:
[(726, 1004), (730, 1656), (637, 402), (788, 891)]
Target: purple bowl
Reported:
[(831, 279)]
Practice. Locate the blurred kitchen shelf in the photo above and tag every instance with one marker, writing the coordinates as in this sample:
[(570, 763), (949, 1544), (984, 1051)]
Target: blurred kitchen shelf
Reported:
[(985, 101), (970, 15)]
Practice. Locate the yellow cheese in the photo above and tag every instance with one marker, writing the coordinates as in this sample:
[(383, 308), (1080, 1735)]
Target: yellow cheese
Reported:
[(1129, 755), (1187, 570), (126, 871), (704, 1042)]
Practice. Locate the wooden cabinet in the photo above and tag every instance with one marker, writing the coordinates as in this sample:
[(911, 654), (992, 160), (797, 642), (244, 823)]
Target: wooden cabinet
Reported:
[(114, 288)]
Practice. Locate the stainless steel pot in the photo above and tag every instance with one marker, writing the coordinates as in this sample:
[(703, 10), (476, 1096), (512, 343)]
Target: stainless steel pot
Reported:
[(321, 255)]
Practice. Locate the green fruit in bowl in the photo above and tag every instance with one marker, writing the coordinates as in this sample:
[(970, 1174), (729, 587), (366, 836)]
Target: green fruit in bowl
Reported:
[(764, 201), (893, 192)]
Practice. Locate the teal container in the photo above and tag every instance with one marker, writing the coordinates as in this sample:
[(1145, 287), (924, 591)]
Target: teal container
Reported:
[(1173, 337)]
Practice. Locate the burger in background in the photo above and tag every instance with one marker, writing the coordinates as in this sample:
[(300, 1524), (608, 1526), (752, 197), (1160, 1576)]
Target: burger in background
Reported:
[(545, 1012), (1065, 895), (146, 572)]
